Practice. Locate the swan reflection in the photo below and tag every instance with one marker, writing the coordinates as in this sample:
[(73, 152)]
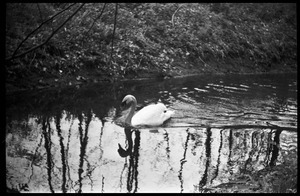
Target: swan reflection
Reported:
[(133, 152), (128, 151)]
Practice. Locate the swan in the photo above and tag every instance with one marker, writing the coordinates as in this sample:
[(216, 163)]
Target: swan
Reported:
[(151, 115)]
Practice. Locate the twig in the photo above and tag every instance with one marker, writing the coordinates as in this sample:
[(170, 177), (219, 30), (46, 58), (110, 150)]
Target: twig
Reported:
[(32, 59), (173, 16), (34, 48), (112, 42), (203, 61), (40, 11), (97, 18), (12, 57)]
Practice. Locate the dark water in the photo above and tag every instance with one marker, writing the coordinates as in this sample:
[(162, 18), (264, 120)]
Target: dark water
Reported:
[(66, 140)]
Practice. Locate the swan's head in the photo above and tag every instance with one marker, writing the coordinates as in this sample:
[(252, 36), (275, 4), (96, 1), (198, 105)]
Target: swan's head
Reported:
[(128, 100)]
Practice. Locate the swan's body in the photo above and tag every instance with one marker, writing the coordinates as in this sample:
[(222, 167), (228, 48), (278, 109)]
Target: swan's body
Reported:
[(151, 115)]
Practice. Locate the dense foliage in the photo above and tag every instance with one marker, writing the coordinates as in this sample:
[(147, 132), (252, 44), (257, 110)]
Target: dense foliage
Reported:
[(125, 40)]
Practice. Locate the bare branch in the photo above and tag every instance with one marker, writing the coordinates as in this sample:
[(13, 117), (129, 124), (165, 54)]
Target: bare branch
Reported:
[(38, 6), (51, 18), (173, 16), (97, 18), (53, 33), (115, 23)]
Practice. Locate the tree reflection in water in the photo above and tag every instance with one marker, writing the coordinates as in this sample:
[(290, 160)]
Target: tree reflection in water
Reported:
[(212, 153), (133, 152), (224, 127)]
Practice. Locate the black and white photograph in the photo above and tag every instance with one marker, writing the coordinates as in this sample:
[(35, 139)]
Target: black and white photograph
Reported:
[(114, 97)]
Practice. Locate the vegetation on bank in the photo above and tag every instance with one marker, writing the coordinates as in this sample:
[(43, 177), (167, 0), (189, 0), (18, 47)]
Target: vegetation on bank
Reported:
[(49, 43), (99, 41)]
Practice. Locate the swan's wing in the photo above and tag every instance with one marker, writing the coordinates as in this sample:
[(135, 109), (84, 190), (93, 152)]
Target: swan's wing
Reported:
[(146, 116), (152, 115)]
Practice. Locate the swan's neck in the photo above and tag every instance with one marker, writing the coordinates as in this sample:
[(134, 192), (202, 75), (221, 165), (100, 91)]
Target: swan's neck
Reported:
[(131, 112)]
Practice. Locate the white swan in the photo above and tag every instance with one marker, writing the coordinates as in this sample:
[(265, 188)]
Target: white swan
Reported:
[(151, 115)]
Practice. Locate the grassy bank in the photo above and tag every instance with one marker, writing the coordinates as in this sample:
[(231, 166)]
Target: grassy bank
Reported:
[(52, 44)]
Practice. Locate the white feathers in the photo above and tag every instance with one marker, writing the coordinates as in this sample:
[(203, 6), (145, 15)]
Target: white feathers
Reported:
[(151, 115)]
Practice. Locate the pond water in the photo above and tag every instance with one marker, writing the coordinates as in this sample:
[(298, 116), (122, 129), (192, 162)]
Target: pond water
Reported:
[(66, 140)]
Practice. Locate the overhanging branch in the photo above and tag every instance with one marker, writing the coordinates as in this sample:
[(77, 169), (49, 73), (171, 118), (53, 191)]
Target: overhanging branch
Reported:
[(52, 34), (97, 18)]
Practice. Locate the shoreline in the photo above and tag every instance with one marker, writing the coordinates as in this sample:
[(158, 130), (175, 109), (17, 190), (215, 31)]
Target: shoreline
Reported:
[(64, 81)]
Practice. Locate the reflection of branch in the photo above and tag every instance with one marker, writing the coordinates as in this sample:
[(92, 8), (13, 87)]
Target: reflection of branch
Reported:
[(133, 163), (260, 144), (62, 152), (269, 139), (100, 142), (275, 150), (219, 154), (47, 136), (230, 147), (166, 138), (35, 157), (67, 152), (46, 41), (83, 138), (183, 160), (136, 157), (121, 176), (203, 181), (102, 188)]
